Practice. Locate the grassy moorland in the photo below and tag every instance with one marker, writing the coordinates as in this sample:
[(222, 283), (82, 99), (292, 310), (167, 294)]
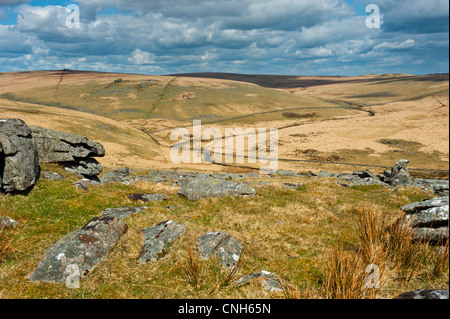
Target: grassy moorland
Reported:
[(319, 237), (371, 119)]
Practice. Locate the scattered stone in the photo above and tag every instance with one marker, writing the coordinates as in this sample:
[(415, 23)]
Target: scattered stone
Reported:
[(431, 235), (440, 187), (428, 219), (173, 177), (424, 294), (400, 175), (291, 185), (148, 197), (269, 280), (158, 239), (432, 217), (88, 167), (225, 247), (206, 186), (326, 174), (19, 161), (119, 175), (60, 147), (287, 173), (365, 174), (365, 177), (424, 205), (122, 212), (6, 222), (84, 183), (84, 249), (74, 151), (51, 176), (231, 176)]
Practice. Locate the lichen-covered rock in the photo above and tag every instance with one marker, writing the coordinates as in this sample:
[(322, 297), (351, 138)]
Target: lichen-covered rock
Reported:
[(84, 183), (88, 167), (119, 175), (424, 205), (431, 217), (269, 281), (84, 248), (52, 176), (225, 247), (60, 147), (424, 294), (400, 175), (158, 240), (122, 212), (6, 222), (365, 177), (428, 219), (431, 235), (440, 187), (19, 162), (287, 173), (205, 186)]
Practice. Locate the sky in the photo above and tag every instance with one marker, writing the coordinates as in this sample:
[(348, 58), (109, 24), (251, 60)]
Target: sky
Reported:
[(284, 37)]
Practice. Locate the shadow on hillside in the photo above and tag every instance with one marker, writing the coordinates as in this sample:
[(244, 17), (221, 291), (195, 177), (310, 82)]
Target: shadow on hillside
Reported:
[(290, 82)]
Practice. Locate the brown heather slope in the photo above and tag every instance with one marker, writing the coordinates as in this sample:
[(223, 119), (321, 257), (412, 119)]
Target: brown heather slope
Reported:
[(370, 119)]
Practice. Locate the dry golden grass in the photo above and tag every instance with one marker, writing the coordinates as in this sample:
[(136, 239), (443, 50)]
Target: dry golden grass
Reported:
[(387, 245), (408, 108), (318, 239)]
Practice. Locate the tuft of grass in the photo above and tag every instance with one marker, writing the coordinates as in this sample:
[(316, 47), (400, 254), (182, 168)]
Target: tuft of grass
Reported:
[(350, 276), (441, 265), (7, 242), (192, 268), (385, 252), (208, 274)]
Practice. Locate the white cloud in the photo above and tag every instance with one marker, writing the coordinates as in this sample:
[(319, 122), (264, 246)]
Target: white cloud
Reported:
[(249, 35), (396, 46), (141, 57)]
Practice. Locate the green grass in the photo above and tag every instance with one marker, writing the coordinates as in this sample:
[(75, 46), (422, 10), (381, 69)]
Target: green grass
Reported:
[(288, 232)]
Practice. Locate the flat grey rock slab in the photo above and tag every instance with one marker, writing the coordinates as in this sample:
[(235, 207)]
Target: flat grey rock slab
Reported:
[(84, 183), (6, 222), (424, 294), (206, 186), (119, 175), (157, 240), (427, 204), (287, 173), (122, 212), (440, 187), (51, 176), (58, 147), (83, 248), (432, 235), (225, 247), (87, 167), (269, 281), (431, 217)]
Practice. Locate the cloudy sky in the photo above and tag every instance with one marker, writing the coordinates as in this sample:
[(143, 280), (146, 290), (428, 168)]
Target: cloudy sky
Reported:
[(292, 37)]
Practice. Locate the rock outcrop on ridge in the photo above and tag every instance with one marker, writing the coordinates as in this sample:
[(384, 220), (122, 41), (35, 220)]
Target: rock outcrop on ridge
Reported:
[(19, 165), (74, 151)]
